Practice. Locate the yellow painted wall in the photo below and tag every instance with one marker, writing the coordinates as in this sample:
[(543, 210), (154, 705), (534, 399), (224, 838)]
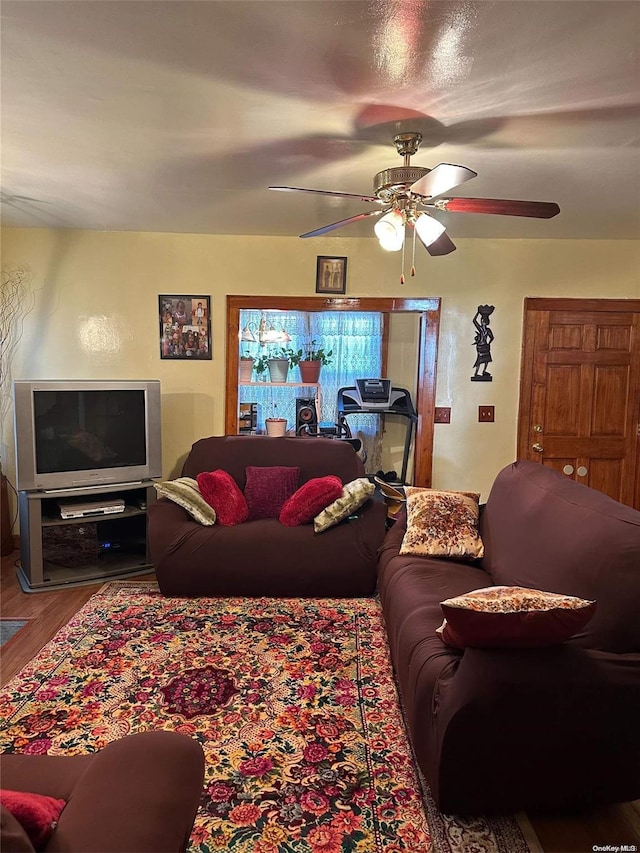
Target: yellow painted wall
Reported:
[(97, 300)]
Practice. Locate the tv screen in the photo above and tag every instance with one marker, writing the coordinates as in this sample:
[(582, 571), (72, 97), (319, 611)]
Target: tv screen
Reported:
[(78, 430), (71, 434)]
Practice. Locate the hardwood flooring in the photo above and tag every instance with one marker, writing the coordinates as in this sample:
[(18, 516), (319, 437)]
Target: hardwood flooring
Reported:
[(47, 612)]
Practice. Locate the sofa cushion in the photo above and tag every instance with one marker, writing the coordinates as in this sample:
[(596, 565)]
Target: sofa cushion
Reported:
[(37, 813), (354, 495), (442, 524), (268, 487), (512, 617), (185, 492), (221, 491), (307, 501)]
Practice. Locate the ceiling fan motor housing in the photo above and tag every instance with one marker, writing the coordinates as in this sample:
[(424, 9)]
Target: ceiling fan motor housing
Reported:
[(396, 181)]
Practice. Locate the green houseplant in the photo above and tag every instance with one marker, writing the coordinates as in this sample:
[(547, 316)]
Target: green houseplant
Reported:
[(279, 363), (261, 365), (310, 360)]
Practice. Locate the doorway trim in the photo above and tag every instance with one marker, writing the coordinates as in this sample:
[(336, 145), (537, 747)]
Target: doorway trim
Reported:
[(429, 311)]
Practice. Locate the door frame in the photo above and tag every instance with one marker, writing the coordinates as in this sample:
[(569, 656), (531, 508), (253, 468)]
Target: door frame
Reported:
[(429, 312)]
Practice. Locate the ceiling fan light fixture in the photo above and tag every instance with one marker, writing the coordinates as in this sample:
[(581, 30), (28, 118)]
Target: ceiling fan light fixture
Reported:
[(389, 230), (428, 228)]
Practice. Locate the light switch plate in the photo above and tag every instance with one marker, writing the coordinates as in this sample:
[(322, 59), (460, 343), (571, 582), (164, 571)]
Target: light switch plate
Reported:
[(442, 415)]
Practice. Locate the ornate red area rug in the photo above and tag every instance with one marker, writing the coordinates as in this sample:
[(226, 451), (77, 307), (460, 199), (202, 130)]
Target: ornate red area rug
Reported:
[(293, 701)]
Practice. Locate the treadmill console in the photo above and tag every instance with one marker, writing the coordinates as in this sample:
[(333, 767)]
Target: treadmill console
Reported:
[(376, 391)]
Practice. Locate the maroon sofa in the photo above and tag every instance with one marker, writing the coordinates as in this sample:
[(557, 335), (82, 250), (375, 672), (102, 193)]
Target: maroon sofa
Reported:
[(498, 730), (263, 557), (140, 793)]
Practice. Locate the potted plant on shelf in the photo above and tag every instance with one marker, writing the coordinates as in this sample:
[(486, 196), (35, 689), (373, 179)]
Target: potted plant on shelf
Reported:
[(275, 425), (260, 365), (310, 361), (246, 367), (279, 362)]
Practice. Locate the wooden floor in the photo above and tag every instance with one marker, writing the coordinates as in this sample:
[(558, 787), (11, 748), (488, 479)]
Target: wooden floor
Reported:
[(46, 612)]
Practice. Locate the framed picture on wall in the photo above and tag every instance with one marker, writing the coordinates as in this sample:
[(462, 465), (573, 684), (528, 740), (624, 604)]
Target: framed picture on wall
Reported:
[(185, 327), (331, 274)]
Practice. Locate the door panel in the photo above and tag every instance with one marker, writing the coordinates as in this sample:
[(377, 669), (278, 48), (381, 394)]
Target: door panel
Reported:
[(580, 391)]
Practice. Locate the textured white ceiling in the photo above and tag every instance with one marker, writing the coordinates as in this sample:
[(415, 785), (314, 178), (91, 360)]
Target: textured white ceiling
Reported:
[(177, 115)]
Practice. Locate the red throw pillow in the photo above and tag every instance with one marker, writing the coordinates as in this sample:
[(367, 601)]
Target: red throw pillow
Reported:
[(36, 813), (267, 488), (221, 491), (310, 499)]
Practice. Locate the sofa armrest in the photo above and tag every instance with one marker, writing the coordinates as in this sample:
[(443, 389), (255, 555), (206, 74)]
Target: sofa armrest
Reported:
[(522, 712), (138, 793)]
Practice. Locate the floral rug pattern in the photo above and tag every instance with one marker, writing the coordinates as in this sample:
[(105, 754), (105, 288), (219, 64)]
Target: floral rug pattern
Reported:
[(293, 701)]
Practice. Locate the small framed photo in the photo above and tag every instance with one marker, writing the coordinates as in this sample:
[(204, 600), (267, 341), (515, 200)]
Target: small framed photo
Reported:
[(331, 274), (185, 327)]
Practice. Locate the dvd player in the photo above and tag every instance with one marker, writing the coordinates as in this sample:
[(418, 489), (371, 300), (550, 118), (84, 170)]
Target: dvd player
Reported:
[(82, 509)]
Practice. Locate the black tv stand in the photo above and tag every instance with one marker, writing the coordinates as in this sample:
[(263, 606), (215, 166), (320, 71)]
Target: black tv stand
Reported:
[(58, 552)]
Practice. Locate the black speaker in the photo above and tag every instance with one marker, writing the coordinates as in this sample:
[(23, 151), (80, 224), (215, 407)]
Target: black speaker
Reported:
[(306, 416)]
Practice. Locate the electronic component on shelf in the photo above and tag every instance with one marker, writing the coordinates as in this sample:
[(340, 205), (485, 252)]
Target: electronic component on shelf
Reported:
[(78, 509)]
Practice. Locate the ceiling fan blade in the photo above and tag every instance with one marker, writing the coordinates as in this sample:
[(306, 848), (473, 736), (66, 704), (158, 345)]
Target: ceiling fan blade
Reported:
[(443, 245), (444, 177), (326, 228), (326, 192), (504, 206)]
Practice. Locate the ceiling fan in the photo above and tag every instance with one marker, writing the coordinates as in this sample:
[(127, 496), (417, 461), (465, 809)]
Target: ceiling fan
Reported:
[(406, 193)]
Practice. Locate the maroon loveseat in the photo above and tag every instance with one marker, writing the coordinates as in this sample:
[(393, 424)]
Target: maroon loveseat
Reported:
[(498, 730), (263, 557)]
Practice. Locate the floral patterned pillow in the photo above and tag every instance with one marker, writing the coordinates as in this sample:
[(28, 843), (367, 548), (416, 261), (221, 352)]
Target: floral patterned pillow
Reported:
[(512, 616), (442, 524), (354, 495)]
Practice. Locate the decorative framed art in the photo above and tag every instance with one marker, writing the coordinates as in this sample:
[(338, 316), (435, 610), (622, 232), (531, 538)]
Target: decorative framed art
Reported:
[(331, 274), (185, 327)]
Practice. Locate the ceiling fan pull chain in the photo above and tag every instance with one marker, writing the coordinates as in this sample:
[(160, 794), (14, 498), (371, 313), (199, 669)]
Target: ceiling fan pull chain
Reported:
[(402, 273), (413, 256)]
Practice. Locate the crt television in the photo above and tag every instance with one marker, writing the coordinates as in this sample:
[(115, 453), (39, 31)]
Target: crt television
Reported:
[(78, 434)]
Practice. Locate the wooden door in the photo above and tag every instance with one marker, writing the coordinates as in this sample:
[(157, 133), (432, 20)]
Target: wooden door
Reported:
[(580, 391)]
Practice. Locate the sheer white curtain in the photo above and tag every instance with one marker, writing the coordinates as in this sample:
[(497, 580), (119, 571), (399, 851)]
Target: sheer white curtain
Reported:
[(356, 340)]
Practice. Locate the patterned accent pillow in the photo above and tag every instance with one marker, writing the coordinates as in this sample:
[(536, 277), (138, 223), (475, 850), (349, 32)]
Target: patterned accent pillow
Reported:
[(267, 488), (512, 616), (221, 491), (312, 497), (442, 524), (37, 814), (185, 492), (354, 495)]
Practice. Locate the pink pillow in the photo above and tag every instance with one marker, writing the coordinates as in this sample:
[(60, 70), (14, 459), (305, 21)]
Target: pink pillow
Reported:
[(267, 488), (36, 813), (310, 499), (221, 491)]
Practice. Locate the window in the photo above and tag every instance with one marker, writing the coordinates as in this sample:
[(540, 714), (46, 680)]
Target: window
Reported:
[(354, 337), (425, 310)]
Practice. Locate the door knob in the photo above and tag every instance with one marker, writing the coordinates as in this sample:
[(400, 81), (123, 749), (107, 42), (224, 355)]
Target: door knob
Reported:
[(537, 447)]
